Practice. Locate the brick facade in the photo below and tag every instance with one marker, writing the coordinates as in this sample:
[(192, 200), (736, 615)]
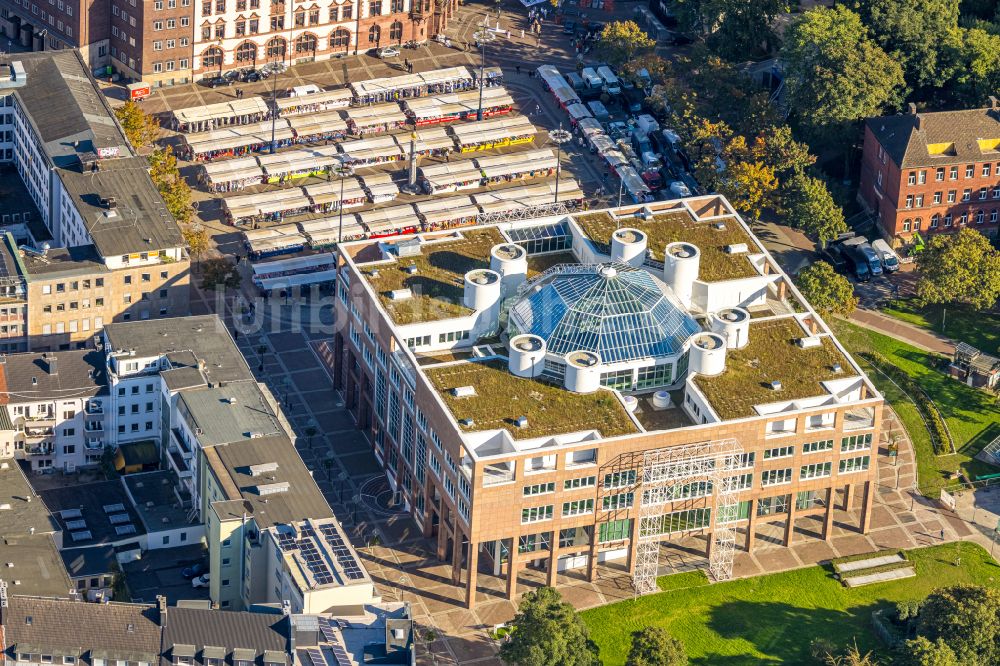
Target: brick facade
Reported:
[(930, 193)]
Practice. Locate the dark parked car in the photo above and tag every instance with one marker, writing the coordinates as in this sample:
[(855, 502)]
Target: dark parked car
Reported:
[(193, 571), (215, 81)]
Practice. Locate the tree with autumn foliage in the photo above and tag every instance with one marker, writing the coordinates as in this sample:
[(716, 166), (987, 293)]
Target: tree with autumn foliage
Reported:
[(141, 129), (173, 188), (620, 41)]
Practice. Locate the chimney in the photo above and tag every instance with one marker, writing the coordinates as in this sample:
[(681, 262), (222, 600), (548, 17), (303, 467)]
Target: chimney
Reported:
[(53, 368), (994, 103), (911, 108), (161, 607)]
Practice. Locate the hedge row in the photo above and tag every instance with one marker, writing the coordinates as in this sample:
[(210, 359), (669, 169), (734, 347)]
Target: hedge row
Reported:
[(866, 556), (940, 438)]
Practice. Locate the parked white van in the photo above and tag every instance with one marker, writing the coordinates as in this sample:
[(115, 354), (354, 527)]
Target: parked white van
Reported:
[(611, 84), (889, 259)]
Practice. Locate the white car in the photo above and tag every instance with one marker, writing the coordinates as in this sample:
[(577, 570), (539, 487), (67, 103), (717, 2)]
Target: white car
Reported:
[(388, 52), (200, 581)]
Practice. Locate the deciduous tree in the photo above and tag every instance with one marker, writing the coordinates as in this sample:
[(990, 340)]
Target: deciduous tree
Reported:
[(835, 74), (620, 41), (173, 188), (140, 128), (653, 646), (961, 267), (197, 240), (915, 33), (219, 271), (923, 652), (808, 205), (967, 619), (548, 633), (743, 29), (826, 290)]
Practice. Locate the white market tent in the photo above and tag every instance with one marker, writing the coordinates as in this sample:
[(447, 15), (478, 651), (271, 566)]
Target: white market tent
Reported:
[(451, 176), (232, 112), (313, 102), (448, 210), (292, 265), (230, 175), (380, 187), (530, 163), (389, 218)]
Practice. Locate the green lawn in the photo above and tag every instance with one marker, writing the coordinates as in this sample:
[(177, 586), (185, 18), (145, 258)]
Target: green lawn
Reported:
[(973, 416), (772, 619), (979, 329)]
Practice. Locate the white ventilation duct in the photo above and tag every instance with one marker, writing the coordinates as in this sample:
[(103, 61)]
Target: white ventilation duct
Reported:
[(482, 289), (708, 354), (527, 355), (733, 324), (511, 262), (628, 246), (681, 263), (583, 372)]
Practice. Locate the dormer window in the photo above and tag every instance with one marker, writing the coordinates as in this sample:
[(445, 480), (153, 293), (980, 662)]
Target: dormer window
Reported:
[(183, 655)]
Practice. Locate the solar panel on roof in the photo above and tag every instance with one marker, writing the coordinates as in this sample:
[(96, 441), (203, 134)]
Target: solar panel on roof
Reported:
[(76, 524), (81, 536), (123, 530), (69, 514), (316, 656), (113, 508), (119, 518), (328, 634), (340, 655)]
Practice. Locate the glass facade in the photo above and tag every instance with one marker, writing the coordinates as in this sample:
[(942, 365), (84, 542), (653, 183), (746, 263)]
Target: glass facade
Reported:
[(612, 309)]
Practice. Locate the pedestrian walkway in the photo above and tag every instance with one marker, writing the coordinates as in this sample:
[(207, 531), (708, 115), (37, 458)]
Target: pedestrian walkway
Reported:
[(901, 330)]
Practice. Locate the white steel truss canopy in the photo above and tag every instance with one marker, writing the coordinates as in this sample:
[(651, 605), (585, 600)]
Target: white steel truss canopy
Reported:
[(666, 473)]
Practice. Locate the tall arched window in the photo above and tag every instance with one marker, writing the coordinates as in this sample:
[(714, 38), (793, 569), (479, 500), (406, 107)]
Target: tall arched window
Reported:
[(935, 220), (246, 52), (374, 34), (980, 216), (305, 43), (396, 6), (212, 57), (396, 31), (276, 48), (340, 39)]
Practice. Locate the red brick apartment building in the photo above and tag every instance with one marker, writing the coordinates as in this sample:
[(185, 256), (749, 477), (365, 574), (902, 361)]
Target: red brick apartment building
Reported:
[(933, 172)]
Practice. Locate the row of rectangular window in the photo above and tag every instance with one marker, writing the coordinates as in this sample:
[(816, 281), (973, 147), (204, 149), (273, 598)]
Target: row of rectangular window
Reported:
[(917, 200), (920, 177), (777, 477)]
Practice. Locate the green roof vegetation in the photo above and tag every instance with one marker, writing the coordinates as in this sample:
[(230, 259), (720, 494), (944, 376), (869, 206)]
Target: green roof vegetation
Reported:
[(745, 621), (501, 398), (716, 264), (539, 263), (771, 354), (439, 283)]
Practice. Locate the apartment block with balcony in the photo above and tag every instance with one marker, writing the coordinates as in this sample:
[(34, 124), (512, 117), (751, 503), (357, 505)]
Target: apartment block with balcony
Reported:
[(183, 383), (574, 379), (933, 172), (58, 404)]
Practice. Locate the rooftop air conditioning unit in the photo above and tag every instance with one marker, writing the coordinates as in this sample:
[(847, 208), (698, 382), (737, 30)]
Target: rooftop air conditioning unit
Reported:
[(467, 423), (721, 226), (809, 342), (737, 248), (521, 422), (838, 368), (776, 385), (463, 391), (411, 269), (400, 294)]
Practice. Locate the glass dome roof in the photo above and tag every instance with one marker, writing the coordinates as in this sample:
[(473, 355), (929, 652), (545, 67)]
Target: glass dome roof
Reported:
[(616, 310)]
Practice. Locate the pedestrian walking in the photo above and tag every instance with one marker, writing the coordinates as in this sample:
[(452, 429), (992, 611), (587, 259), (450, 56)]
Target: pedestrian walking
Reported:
[(522, 33), (942, 535), (518, 69)]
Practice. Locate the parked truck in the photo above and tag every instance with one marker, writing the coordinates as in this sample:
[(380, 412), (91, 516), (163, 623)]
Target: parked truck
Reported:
[(866, 260)]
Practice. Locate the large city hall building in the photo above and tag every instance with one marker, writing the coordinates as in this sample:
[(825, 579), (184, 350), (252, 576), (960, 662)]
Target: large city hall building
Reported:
[(564, 391), (926, 173), (167, 42)]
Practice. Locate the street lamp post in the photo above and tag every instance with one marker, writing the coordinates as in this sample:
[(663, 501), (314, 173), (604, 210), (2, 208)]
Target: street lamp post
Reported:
[(344, 171), (559, 137), (482, 37)]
